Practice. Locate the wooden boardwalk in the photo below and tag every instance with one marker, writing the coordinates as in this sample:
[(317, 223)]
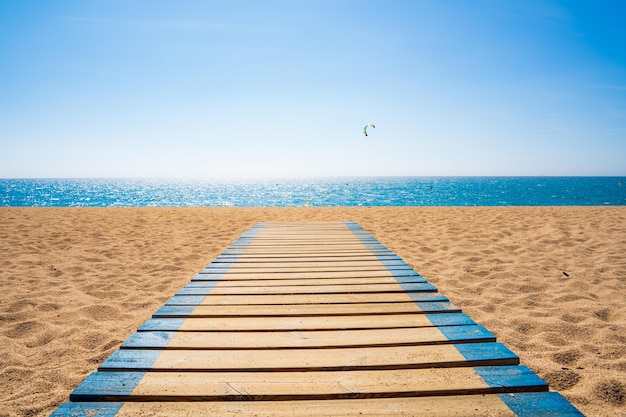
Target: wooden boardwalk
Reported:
[(311, 319)]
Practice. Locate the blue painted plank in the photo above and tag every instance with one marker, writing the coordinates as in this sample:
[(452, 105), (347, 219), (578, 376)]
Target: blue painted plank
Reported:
[(148, 340), (436, 307), (413, 277), (193, 300), (87, 409), (503, 376), (403, 272), (207, 286), (107, 386), (409, 278), (392, 262), (215, 270), (547, 404), (450, 319), (399, 273), (203, 283), (174, 311), (161, 324), (420, 297), (220, 265), (422, 286), (208, 276), (486, 352), (137, 360), (400, 268), (467, 333)]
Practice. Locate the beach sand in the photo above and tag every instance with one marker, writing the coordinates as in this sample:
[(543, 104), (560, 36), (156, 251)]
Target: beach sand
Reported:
[(549, 282)]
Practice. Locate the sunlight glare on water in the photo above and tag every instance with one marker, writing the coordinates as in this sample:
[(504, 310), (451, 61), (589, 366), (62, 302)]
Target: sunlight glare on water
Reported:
[(315, 192)]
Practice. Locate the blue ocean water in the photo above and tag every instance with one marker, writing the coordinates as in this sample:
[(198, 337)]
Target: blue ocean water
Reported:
[(362, 191)]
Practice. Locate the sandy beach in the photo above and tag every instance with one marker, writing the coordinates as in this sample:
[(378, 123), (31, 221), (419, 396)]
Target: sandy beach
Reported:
[(549, 282)]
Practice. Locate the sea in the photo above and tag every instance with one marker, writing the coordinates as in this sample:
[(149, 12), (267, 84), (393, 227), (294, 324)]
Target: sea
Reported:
[(315, 192)]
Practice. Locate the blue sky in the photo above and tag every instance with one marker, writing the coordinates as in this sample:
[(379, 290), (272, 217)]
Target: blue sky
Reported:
[(149, 88)]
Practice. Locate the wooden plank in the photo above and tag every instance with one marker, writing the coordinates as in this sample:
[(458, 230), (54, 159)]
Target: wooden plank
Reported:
[(332, 359), (280, 299), (229, 275), (391, 321), (301, 282), (530, 404), (303, 310), (254, 386), (304, 247), (374, 264), (306, 257), (309, 339), (308, 289), (281, 251), (320, 240), (299, 268)]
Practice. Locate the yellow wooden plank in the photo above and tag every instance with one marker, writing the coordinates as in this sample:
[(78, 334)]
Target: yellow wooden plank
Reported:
[(307, 323), (302, 266), (304, 247), (302, 310), (306, 236), (457, 406), (155, 385), (351, 255), (311, 383), (239, 275), (311, 250), (299, 338), (299, 257), (308, 289), (225, 282), (301, 299), (299, 268), (396, 357)]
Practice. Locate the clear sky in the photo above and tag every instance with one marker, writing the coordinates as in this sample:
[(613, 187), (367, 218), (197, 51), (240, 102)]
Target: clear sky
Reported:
[(155, 88)]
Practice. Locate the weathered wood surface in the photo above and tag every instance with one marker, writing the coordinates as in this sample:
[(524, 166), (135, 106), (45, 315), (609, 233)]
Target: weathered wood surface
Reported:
[(541, 404), (305, 310), (331, 359), (296, 323), (308, 289), (166, 386), (276, 275), (303, 282), (312, 319), (282, 299), (318, 339)]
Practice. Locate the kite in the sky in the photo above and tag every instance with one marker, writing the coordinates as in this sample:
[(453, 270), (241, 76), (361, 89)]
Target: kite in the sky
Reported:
[(365, 128)]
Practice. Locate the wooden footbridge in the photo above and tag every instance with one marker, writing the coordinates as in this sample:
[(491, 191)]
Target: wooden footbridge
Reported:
[(311, 319)]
